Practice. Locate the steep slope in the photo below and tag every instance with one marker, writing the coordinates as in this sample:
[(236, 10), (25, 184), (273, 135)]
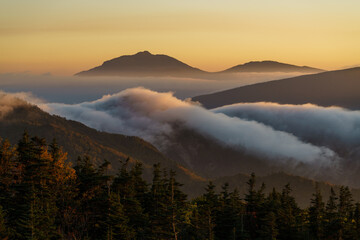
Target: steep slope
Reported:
[(209, 158), (78, 139), (271, 66), (340, 88), (143, 64)]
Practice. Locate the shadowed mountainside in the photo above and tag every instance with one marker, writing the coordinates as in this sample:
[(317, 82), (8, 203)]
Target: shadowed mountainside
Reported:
[(334, 88), (78, 139)]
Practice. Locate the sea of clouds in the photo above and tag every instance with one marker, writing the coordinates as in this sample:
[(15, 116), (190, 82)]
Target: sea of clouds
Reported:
[(306, 134), (151, 115)]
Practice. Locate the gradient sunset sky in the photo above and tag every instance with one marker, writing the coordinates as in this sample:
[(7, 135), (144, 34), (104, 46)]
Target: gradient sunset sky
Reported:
[(67, 36)]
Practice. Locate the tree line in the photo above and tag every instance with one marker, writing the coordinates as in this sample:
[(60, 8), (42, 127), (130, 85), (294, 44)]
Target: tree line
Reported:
[(43, 197)]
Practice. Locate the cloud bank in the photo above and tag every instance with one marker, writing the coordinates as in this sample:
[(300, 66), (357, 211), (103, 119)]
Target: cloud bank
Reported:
[(152, 115), (79, 89), (330, 126)]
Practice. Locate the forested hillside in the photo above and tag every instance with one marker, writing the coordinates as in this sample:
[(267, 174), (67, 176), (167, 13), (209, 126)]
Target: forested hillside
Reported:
[(43, 197), (78, 139)]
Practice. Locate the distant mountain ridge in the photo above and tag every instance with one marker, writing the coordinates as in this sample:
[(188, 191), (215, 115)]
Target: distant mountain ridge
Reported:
[(332, 88), (152, 65), (271, 66)]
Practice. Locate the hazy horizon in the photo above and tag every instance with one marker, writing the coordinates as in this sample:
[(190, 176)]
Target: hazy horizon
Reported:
[(78, 89)]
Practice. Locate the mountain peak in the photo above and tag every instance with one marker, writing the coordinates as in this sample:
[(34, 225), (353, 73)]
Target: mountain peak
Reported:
[(143, 64), (144, 53)]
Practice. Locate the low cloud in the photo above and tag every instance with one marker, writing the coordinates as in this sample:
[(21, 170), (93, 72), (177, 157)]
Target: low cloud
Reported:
[(152, 115), (330, 126), (9, 101)]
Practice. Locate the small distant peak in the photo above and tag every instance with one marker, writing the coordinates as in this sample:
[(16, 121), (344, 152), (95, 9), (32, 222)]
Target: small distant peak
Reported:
[(144, 53), (265, 61)]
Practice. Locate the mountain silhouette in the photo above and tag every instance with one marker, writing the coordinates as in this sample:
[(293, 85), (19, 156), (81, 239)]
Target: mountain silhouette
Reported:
[(333, 88), (271, 66), (143, 64)]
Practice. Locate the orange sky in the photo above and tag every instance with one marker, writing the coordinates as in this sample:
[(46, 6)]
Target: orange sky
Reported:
[(65, 37)]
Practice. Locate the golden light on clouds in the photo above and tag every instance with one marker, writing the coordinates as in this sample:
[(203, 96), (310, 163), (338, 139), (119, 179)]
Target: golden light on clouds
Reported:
[(65, 37)]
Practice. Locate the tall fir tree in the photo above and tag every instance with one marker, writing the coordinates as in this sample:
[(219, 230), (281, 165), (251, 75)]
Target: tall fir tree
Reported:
[(93, 198), (34, 210), (270, 214), (289, 222), (159, 212), (254, 209), (132, 190), (332, 221), (225, 217), (117, 221), (316, 215), (345, 209), (177, 205), (238, 211)]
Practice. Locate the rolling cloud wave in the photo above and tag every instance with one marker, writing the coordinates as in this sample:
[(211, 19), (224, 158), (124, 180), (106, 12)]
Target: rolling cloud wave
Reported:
[(329, 126), (151, 115)]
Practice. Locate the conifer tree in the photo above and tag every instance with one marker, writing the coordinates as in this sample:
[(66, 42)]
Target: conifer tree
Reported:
[(159, 214), (254, 208), (177, 205), (141, 195), (270, 215), (225, 218), (132, 190), (203, 214), (34, 210), (345, 209), (316, 215), (210, 208), (289, 216), (93, 198), (332, 221), (19, 219), (238, 211), (117, 221)]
